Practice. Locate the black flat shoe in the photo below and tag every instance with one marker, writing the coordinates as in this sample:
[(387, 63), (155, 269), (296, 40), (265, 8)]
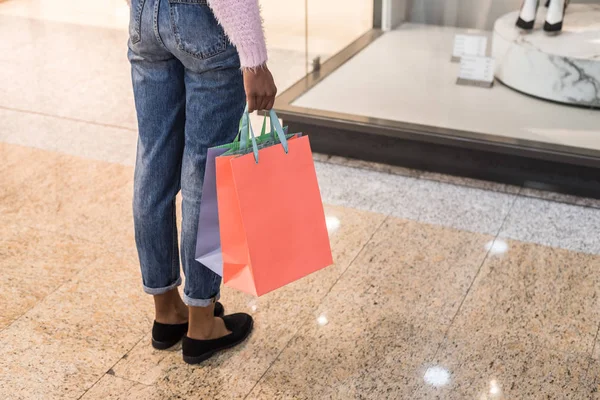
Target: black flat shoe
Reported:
[(167, 335), (196, 351)]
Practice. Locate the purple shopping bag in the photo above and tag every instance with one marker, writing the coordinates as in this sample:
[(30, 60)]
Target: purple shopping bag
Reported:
[(208, 243)]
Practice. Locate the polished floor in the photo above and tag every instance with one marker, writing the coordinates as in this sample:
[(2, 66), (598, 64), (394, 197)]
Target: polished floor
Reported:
[(442, 288)]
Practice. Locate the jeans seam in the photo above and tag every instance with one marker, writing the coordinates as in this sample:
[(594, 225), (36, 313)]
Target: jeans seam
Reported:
[(203, 56), (175, 250), (155, 20), (137, 23)]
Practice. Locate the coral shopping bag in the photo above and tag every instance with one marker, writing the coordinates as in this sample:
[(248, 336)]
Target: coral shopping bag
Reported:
[(208, 240), (271, 217)]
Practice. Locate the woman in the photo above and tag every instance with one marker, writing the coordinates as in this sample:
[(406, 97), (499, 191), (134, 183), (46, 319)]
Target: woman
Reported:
[(194, 64)]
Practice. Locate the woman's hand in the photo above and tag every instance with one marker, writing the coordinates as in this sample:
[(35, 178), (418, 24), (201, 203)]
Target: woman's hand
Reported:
[(260, 89)]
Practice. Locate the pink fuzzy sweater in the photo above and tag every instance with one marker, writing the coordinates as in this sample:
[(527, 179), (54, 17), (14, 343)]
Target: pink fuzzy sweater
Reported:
[(242, 23)]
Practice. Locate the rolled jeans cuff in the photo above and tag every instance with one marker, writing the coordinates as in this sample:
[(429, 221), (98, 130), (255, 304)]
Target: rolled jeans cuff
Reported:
[(201, 302), (162, 290)]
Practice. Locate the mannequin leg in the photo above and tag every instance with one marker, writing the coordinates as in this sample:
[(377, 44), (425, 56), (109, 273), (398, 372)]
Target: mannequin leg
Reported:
[(527, 15), (555, 16)]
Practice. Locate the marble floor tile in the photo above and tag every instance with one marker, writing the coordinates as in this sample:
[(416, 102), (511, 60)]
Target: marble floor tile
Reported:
[(35, 365), (383, 320), (114, 388), (113, 14), (469, 182), (531, 291), (439, 203), (75, 80), (373, 166), (493, 369), (561, 198), (103, 306), (65, 343), (80, 139), (365, 190), (418, 269), (596, 351), (83, 82), (278, 315), (73, 196), (459, 207), (35, 263), (16, 170), (592, 376), (361, 352), (554, 224)]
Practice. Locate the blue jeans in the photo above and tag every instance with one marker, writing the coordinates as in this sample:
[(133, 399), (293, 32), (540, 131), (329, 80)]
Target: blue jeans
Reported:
[(189, 96)]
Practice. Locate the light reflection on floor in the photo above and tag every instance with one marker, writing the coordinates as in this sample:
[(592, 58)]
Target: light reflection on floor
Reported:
[(437, 376), (497, 247)]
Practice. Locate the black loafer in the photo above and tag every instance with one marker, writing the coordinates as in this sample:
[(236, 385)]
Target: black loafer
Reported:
[(196, 351), (167, 335)]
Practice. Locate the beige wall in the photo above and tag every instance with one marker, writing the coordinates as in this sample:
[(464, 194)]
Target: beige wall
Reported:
[(477, 14), (332, 24)]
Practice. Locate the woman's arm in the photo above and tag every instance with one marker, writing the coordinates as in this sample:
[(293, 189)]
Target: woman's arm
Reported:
[(243, 25)]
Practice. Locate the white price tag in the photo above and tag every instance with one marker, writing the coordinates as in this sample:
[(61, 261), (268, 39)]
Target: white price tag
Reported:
[(476, 71), (469, 45)]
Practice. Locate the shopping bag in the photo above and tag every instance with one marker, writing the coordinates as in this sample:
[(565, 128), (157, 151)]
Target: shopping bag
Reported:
[(208, 240), (271, 216)]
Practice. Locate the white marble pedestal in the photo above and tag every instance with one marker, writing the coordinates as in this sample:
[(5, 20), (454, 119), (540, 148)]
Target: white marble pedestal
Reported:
[(563, 68)]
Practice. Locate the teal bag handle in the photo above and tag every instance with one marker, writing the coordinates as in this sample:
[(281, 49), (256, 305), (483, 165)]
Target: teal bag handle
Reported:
[(254, 144), (279, 130), (264, 128), (246, 132), (243, 133)]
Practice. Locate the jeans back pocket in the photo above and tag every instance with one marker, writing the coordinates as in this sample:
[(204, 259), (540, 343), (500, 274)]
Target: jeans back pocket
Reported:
[(196, 29), (135, 20)]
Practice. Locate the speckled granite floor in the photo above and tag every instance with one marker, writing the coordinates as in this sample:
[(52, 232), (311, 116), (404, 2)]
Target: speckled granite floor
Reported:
[(443, 288)]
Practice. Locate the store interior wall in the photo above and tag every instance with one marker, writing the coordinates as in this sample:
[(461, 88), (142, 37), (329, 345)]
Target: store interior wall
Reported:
[(393, 13), (474, 14)]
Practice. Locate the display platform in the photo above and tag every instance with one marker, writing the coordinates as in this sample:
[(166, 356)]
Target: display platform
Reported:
[(406, 76), (563, 68), (392, 97)]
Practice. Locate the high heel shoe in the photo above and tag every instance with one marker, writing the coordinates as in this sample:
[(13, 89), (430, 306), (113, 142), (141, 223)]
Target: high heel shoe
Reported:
[(555, 16), (527, 15)]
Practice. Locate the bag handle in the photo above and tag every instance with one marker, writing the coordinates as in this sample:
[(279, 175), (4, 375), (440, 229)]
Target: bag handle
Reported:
[(246, 132), (254, 144), (278, 129), (243, 132)]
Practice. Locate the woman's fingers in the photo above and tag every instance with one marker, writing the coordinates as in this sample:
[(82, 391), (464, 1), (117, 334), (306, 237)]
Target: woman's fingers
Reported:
[(260, 103), (260, 88), (252, 103), (265, 103), (270, 104)]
